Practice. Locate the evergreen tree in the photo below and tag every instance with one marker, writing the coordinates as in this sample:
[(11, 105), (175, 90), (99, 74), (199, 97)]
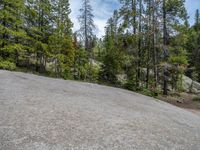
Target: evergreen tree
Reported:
[(86, 24), (87, 31), (60, 43), (197, 17), (129, 14), (43, 30), (193, 48), (172, 11), (148, 42), (113, 57), (11, 33)]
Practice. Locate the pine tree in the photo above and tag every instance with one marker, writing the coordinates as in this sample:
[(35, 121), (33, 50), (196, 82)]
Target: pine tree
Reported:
[(60, 43), (172, 12), (87, 31), (129, 14), (197, 17), (139, 54), (165, 50), (11, 33), (86, 24), (148, 38), (193, 48), (40, 30), (114, 56)]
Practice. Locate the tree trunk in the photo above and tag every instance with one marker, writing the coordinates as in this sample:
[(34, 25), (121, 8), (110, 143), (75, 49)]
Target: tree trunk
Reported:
[(165, 86), (149, 43), (154, 48), (133, 3), (139, 47)]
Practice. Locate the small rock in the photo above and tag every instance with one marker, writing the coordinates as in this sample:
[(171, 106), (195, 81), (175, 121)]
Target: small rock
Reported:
[(178, 101)]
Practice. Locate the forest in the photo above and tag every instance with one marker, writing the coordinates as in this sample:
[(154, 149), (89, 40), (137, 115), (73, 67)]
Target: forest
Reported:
[(148, 44)]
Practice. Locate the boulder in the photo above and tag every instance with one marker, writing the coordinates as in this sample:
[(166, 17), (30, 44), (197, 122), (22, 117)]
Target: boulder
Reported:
[(198, 95), (188, 84)]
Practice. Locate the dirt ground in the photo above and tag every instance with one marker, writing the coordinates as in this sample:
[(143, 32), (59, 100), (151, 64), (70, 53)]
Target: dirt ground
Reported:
[(183, 100)]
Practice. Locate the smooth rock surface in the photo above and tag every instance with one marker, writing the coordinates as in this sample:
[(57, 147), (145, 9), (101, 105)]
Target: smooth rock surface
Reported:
[(39, 113), (187, 83)]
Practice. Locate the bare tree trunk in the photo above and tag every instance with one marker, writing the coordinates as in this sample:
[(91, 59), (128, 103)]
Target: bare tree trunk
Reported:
[(149, 42), (139, 46), (165, 84), (86, 34), (154, 48), (133, 3)]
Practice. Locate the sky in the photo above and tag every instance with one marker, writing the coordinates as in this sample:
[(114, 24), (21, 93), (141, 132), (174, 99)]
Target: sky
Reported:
[(103, 10)]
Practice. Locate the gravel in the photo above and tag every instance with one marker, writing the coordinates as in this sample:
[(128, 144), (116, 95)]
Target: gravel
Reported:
[(40, 113)]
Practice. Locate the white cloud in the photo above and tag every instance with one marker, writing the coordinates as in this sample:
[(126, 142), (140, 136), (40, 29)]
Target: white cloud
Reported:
[(100, 24)]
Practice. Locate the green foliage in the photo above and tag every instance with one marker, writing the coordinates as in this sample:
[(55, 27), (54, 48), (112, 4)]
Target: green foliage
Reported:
[(193, 48), (112, 64), (11, 33), (87, 25), (178, 56), (94, 72), (130, 85), (81, 64), (197, 17), (61, 49), (7, 65), (66, 72), (37, 35), (196, 99), (147, 92), (114, 56)]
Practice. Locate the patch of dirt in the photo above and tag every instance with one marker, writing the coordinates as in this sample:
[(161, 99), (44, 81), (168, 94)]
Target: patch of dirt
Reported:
[(183, 100)]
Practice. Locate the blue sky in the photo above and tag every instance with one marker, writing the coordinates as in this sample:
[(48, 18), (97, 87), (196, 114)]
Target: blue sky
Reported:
[(103, 9), (192, 6)]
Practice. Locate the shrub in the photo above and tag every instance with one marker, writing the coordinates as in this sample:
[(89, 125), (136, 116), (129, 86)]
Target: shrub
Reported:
[(197, 99), (7, 65), (130, 85), (147, 92)]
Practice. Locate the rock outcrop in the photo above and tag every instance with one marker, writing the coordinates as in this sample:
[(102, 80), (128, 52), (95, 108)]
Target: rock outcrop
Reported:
[(191, 86)]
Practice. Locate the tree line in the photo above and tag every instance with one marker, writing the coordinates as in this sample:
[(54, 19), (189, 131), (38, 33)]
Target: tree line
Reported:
[(148, 44)]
